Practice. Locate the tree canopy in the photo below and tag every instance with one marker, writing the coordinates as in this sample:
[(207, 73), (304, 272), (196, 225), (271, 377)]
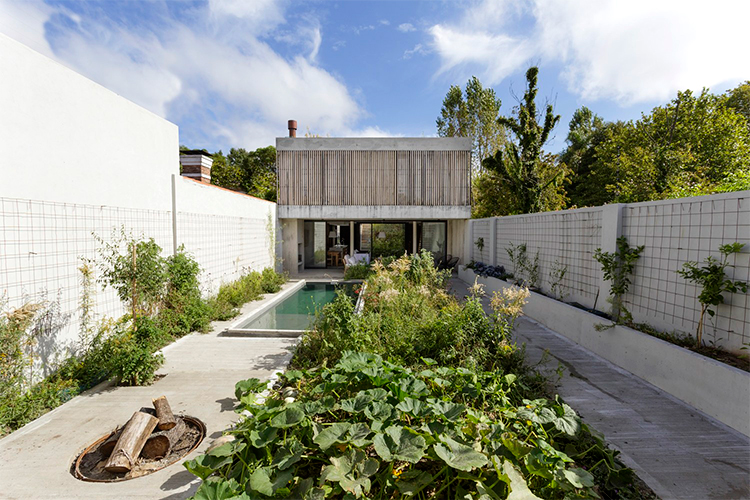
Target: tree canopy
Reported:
[(531, 181), (252, 172)]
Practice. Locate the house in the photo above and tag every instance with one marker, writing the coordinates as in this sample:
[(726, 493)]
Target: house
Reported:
[(368, 197)]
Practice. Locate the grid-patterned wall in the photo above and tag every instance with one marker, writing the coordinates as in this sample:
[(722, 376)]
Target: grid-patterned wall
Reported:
[(672, 231), (481, 229), (226, 247), (564, 240), (677, 231), (42, 244)]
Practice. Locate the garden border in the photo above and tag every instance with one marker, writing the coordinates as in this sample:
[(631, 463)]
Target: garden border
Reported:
[(715, 388), (233, 330)]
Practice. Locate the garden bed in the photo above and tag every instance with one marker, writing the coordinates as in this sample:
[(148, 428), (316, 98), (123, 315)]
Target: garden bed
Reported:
[(713, 387)]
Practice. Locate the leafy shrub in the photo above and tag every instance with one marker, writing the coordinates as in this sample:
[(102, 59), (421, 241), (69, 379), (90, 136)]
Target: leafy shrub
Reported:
[(367, 426), (408, 315), (360, 271), (132, 362), (184, 310), (271, 281), (249, 287)]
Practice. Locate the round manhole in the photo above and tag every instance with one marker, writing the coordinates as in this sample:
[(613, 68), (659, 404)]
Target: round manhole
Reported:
[(89, 466)]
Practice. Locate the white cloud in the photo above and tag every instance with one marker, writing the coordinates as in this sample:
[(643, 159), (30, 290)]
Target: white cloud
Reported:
[(418, 49), (385, 22), (406, 27), (219, 76), (633, 51), (24, 22)]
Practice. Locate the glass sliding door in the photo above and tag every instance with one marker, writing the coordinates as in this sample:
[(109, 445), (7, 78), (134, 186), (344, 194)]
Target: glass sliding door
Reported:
[(434, 239), (315, 244)]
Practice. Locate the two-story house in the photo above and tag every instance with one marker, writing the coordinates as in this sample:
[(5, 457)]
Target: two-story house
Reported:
[(370, 197)]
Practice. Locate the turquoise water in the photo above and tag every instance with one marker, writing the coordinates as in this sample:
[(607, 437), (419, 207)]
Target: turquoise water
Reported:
[(297, 311)]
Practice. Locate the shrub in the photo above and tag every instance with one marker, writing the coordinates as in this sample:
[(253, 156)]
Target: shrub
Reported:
[(271, 281), (617, 267), (487, 270), (360, 271)]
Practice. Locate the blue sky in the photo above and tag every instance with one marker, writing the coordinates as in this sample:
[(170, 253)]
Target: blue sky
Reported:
[(231, 72)]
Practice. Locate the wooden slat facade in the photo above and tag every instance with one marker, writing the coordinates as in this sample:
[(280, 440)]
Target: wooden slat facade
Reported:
[(340, 177)]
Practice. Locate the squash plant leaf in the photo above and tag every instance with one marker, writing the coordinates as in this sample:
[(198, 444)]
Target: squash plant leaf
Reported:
[(218, 489), (205, 465), (399, 443), (247, 386), (413, 481), (379, 411), (458, 455), (579, 478), (286, 456), (519, 490), (352, 471), (288, 417), (356, 404), (449, 411), (358, 434), (569, 422), (413, 406), (262, 436), (263, 481), (327, 436)]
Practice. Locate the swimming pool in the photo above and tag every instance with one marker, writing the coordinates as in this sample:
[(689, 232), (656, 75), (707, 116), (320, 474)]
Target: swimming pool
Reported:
[(295, 313)]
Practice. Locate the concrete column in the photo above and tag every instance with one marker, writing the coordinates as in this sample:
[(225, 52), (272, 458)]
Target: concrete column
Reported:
[(611, 230), (493, 241), (469, 240), (414, 237), (351, 237)]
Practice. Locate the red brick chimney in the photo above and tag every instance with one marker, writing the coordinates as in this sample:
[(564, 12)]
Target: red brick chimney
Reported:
[(196, 164), (292, 125)]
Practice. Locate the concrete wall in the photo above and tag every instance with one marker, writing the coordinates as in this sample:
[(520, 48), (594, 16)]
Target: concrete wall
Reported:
[(373, 212), (715, 388), (673, 232), (65, 138)]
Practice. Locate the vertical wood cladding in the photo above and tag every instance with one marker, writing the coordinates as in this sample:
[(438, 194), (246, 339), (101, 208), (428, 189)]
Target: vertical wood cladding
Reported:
[(425, 178)]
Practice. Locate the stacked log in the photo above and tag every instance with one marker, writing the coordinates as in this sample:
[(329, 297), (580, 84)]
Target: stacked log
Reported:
[(150, 433)]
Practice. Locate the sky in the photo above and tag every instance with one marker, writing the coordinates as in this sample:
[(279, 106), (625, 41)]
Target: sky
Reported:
[(230, 73)]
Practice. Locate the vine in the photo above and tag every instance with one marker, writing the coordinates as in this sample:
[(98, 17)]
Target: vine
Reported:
[(714, 282), (617, 267)]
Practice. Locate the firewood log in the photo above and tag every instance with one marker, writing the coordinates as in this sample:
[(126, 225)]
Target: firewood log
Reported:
[(131, 441), (160, 443), (166, 419)]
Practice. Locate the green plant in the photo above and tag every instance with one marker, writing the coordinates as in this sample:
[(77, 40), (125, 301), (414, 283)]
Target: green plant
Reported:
[(616, 268), (371, 428), (480, 244), (525, 272), (359, 271), (135, 269), (556, 278), (87, 306), (712, 279)]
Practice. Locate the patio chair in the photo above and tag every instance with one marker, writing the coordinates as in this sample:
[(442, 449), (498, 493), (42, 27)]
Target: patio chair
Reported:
[(443, 263), (451, 265)]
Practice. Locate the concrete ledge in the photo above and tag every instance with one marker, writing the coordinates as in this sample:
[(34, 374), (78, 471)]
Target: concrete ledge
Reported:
[(234, 327), (374, 212), (715, 388)]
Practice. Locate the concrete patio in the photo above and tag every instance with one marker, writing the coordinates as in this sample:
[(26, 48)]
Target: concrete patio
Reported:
[(199, 376)]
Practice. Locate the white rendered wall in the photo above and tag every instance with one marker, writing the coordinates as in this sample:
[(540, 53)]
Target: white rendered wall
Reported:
[(228, 233), (79, 161), (65, 138)]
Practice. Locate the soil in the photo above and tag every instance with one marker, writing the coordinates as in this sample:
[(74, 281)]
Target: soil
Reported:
[(89, 466)]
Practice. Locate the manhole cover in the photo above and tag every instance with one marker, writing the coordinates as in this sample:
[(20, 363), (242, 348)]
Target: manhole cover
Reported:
[(89, 466)]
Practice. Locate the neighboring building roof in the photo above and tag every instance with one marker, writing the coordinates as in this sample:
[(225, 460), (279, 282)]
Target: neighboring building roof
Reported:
[(195, 152), (373, 144)]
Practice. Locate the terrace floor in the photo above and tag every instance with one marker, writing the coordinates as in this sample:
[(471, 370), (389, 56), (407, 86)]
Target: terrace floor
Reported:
[(200, 370), (678, 451)]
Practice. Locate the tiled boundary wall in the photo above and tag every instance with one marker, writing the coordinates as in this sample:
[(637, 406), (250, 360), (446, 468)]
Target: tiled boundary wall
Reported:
[(673, 232), (42, 245)]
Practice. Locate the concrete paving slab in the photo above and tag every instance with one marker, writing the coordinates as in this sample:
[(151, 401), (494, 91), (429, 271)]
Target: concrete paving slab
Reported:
[(678, 451), (199, 374)]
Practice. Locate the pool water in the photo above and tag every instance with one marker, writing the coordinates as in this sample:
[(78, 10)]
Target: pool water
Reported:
[(296, 312)]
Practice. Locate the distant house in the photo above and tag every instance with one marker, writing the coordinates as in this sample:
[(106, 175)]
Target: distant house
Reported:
[(366, 197)]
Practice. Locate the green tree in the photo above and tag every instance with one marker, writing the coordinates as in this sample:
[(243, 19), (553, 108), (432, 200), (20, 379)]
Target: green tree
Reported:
[(739, 100), (225, 175), (520, 165), (473, 114), (693, 145), (252, 172)]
